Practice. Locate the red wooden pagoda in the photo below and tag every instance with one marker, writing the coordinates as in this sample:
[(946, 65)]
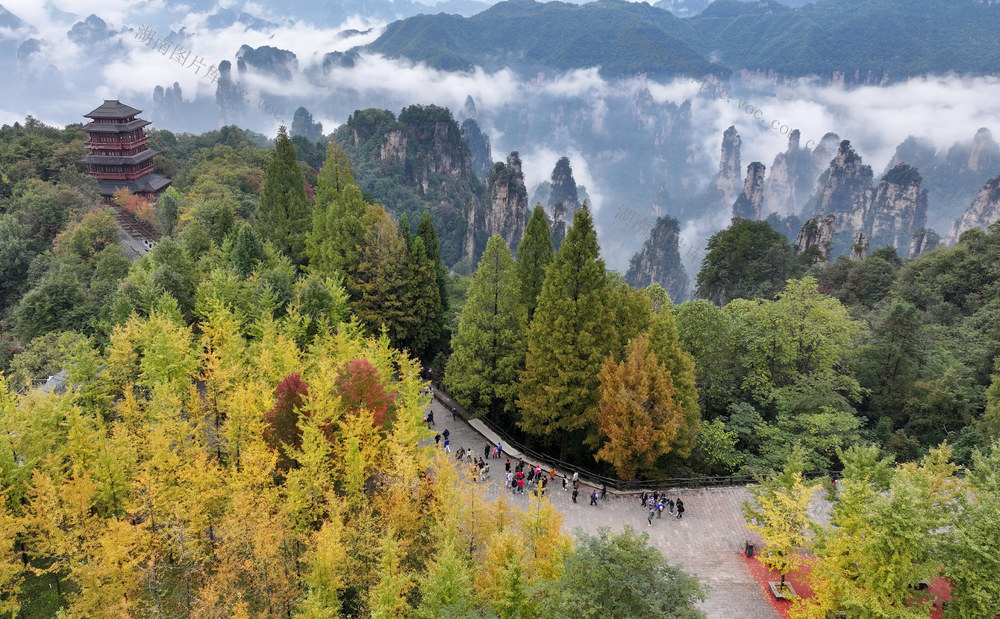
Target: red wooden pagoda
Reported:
[(119, 156)]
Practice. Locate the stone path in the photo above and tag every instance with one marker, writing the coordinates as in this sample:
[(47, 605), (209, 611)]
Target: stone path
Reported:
[(708, 542)]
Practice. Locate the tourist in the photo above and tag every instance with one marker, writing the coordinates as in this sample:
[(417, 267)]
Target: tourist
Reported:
[(593, 497), (564, 483), (576, 493), (680, 508), (604, 492), (447, 445), (437, 439)]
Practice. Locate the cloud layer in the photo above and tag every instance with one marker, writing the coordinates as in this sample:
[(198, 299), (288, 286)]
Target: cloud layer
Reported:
[(576, 114)]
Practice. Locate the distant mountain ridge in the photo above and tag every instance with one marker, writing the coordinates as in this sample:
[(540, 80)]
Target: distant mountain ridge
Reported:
[(855, 41)]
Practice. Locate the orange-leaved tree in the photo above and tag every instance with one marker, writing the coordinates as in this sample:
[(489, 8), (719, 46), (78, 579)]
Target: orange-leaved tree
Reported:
[(639, 412), (137, 206)]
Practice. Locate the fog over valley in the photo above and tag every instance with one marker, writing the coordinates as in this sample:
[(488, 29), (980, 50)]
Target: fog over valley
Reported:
[(650, 145)]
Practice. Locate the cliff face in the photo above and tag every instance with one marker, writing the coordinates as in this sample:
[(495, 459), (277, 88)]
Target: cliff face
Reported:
[(843, 185), (984, 211), (479, 147), (924, 240), (728, 181), (985, 152), (859, 248), (393, 147), (817, 231), (952, 177), (563, 200), (794, 172), (558, 226), (420, 161), (898, 210), (659, 261), (563, 186), (888, 214), (750, 203), (273, 61), (506, 213)]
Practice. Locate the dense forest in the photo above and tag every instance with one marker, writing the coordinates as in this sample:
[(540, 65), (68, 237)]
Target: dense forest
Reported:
[(271, 350)]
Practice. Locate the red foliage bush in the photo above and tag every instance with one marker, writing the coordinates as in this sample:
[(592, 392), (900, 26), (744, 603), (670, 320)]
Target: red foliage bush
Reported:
[(360, 387), (139, 207), (281, 421)]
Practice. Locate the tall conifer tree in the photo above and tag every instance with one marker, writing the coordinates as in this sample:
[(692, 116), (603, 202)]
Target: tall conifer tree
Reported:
[(665, 341), (336, 175), (427, 231), (404, 229), (422, 301), (378, 290), (338, 235), (568, 340), (284, 212), (533, 256), (489, 346), (334, 243), (639, 417)]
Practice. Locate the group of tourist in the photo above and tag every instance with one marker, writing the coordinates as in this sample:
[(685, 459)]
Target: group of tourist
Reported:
[(534, 478), (657, 504), (480, 469), (523, 474)]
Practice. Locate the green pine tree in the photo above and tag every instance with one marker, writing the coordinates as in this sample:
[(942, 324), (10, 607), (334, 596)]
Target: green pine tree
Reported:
[(427, 231), (422, 300), (404, 229), (378, 289), (248, 250), (338, 233), (991, 418), (284, 212), (533, 256), (489, 347), (336, 175), (632, 310), (665, 340), (568, 340)]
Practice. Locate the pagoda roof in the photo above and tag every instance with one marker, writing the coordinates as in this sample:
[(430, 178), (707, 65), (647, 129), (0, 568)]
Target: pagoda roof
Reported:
[(113, 108), (137, 158), (122, 128), (150, 183)]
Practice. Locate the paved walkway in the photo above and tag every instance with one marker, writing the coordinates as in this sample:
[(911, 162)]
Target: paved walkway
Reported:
[(708, 542)]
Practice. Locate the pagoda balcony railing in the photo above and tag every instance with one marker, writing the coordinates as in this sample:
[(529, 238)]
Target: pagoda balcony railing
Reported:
[(116, 144), (122, 176)]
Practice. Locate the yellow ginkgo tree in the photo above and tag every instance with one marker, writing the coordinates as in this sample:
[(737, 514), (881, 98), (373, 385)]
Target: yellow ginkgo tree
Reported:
[(779, 512)]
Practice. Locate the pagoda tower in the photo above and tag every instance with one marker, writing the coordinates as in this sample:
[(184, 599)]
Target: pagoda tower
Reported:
[(119, 157)]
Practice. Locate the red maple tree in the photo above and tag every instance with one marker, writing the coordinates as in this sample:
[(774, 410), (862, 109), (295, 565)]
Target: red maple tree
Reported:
[(361, 388), (281, 421)]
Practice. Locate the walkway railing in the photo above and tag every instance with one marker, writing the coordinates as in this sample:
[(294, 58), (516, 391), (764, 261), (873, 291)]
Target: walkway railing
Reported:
[(633, 485)]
